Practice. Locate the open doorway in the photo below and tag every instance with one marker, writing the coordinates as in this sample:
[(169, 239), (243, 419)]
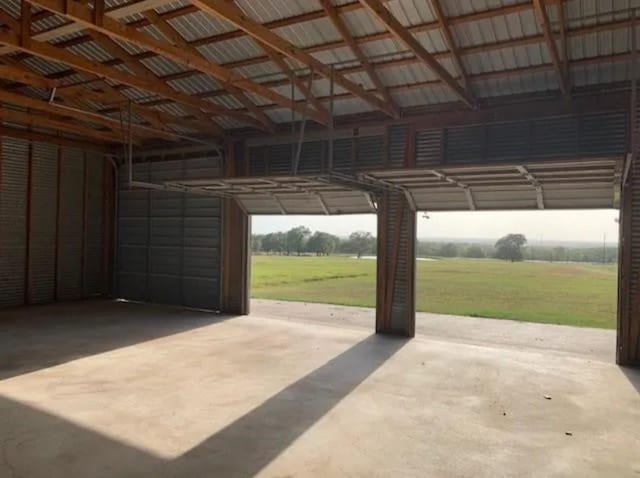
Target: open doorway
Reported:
[(564, 270)]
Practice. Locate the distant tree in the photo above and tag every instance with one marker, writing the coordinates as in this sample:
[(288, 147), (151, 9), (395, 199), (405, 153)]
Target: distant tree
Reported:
[(296, 239), (559, 253), (361, 242), (448, 250), (322, 243), (509, 247), (274, 242), (256, 242), (474, 252)]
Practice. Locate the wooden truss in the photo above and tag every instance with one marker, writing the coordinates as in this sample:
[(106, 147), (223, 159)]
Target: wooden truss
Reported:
[(109, 78)]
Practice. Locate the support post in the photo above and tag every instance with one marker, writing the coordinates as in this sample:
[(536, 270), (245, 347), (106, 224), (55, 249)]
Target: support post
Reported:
[(628, 336), (236, 252), (396, 273)]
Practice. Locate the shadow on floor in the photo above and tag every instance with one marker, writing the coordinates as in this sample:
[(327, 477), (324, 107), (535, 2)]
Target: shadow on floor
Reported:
[(633, 375), (37, 337), (35, 443)]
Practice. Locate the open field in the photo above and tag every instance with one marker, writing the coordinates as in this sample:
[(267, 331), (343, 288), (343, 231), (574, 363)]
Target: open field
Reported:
[(559, 293)]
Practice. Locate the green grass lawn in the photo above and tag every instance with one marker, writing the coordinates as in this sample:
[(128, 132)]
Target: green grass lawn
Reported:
[(571, 294)]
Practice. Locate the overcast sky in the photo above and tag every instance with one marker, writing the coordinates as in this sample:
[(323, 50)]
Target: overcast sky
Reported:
[(588, 225)]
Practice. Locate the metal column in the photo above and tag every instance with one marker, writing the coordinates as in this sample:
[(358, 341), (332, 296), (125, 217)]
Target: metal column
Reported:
[(396, 275)]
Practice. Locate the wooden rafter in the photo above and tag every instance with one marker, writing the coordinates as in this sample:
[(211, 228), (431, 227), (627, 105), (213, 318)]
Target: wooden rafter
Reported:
[(174, 37), (19, 73), (278, 60), (563, 41), (402, 34), (59, 124), (451, 43), (232, 14), (92, 118), (345, 33), (549, 38), (77, 12), (49, 52), (48, 138), (140, 70)]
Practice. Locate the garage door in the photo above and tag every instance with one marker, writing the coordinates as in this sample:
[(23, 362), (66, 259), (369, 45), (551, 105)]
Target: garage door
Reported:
[(169, 242)]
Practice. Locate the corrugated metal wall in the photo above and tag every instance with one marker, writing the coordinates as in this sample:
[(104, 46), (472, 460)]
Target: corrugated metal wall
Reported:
[(51, 214), (169, 242), (13, 220), (395, 305), (42, 246)]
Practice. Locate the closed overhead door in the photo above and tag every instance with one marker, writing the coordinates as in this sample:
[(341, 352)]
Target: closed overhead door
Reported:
[(169, 242)]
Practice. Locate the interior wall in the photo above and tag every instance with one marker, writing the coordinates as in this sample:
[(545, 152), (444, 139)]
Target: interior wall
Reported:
[(53, 217)]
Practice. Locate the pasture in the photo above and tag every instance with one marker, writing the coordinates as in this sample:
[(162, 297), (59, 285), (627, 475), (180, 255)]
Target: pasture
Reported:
[(559, 293)]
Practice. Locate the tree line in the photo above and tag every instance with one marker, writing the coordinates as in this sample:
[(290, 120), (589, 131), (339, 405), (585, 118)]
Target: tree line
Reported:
[(513, 247), (300, 240)]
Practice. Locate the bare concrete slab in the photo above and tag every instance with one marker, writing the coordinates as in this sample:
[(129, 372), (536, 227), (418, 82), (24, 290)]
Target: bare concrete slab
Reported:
[(105, 389)]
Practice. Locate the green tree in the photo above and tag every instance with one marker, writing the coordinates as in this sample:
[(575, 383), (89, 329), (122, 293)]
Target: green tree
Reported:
[(474, 252), (256, 242), (274, 242), (361, 242), (296, 239), (322, 243), (448, 250), (509, 247)]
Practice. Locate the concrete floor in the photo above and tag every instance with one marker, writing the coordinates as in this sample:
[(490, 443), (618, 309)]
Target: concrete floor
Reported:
[(102, 389)]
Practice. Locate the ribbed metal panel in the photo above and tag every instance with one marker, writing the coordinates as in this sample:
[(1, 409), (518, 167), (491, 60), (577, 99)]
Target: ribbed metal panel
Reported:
[(602, 134), (508, 141), (428, 147), (397, 145), (279, 158), (169, 242), (257, 163), (42, 244), (133, 235), (465, 144), (396, 309), (93, 277), (342, 154), (370, 152), (555, 137), (70, 225), (13, 221), (312, 157)]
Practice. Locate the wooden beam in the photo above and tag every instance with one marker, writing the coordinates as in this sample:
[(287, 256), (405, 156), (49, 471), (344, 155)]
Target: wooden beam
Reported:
[(140, 70), (445, 27), (380, 12), (40, 121), (24, 76), (174, 37), (278, 60), (345, 33), (76, 12), (545, 26), (47, 138), (44, 50), (232, 14), (56, 109), (25, 22)]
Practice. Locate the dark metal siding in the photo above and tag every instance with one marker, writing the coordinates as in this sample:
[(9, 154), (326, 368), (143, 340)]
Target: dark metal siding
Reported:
[(428, 147), (93, 262), (397, 146), (169, 242), (42, 244), (70, 225), (13, 220)]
